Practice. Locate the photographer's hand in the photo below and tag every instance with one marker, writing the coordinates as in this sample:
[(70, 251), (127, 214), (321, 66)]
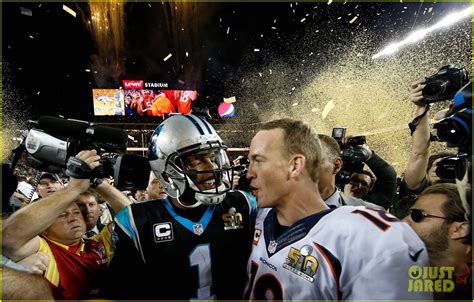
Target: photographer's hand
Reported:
[(416, 95), (366, 147), (418, 161), (91, 158)]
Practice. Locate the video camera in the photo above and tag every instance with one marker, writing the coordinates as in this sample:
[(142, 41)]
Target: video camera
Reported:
[(54, 140), (455, 129), (444, 84), (353, 157), (241, 170)]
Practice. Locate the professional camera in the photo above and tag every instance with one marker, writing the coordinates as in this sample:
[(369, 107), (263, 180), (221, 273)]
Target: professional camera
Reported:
[(353, 156), (241, 170), (455, 129), (444, 84), (55, 140)]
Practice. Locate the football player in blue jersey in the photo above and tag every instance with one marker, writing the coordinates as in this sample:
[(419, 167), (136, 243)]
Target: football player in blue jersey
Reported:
[(302, 250), (196, 242)]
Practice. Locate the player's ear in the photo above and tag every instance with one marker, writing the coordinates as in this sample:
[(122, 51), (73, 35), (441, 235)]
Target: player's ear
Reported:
[(337, 166), (297, 164)]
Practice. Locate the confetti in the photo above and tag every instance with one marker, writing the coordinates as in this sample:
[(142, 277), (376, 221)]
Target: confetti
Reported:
[(70, 11), (302, 20), (167, 57), (329, 106), (228, 29), (353, 19), (26, 11), (230, 100), (256, 50)]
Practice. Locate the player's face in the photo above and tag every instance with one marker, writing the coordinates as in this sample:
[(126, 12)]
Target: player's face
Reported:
[(90, 210), (69, 227), (203, 161), (432, 230), (358, 186), (269, 169)]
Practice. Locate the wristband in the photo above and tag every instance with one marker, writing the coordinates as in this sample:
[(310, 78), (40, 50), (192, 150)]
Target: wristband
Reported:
[(96, 182)]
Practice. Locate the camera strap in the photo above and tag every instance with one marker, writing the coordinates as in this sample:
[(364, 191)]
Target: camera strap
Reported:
[(412, 125), (78, 169)]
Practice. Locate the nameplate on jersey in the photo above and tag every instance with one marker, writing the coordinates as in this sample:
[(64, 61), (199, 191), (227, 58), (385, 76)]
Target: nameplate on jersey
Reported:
[(163, 231), (233, 220), (302, 263)]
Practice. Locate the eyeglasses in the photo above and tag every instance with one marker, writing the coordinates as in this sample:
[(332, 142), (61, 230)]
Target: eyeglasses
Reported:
[(418, 215)]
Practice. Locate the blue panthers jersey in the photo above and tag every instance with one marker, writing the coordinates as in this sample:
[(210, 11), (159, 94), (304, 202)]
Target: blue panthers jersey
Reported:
[(162, 255)]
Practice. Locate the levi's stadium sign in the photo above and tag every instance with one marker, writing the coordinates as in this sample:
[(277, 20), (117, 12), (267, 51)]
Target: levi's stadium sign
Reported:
[(132, 84)]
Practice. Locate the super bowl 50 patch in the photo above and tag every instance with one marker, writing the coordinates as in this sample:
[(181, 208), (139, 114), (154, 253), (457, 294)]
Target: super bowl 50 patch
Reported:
[(232, 220), (302, 263)]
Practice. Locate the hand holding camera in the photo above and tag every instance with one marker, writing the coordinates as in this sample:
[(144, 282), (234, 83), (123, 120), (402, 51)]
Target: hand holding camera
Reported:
[(416, 95), (359, 143)]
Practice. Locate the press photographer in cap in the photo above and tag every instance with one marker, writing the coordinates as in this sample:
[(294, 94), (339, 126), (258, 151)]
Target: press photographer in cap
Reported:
[(48, 184)]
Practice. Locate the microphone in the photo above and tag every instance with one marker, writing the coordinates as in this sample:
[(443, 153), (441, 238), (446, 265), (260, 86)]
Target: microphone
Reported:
[(62, 127), (112, 137), (108, 136)]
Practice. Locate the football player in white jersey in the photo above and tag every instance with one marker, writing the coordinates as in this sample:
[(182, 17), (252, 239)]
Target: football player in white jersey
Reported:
[(302, 249)]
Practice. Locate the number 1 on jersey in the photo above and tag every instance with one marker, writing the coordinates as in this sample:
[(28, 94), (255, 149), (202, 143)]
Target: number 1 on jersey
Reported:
[(201, 257)]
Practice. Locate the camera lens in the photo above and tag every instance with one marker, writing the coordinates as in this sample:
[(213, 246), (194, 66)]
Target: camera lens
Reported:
[(456, 129), (434, 90), (446, 169)]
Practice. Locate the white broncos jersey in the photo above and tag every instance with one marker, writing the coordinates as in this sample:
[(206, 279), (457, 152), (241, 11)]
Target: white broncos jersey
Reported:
[(348, 253)]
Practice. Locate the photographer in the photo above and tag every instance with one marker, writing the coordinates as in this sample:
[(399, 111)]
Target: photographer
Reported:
[(379, 189), (55, 225), (422, 169)]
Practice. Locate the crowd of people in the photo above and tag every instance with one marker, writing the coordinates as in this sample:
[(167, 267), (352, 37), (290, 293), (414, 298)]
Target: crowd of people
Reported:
[(148, 102), (288, 228)]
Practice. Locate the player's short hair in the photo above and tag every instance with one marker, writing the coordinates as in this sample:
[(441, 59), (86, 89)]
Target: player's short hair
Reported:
[(298, 139), (330, 146)]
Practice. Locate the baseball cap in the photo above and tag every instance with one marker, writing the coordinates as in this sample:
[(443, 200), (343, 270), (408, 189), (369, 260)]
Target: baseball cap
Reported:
[(52, 176)]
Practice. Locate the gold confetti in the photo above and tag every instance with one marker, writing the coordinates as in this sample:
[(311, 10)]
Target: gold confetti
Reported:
[(70, 11), (353, 19), (329, 106)]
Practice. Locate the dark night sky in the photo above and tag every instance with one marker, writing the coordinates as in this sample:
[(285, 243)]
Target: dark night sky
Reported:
[(45, 56)]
